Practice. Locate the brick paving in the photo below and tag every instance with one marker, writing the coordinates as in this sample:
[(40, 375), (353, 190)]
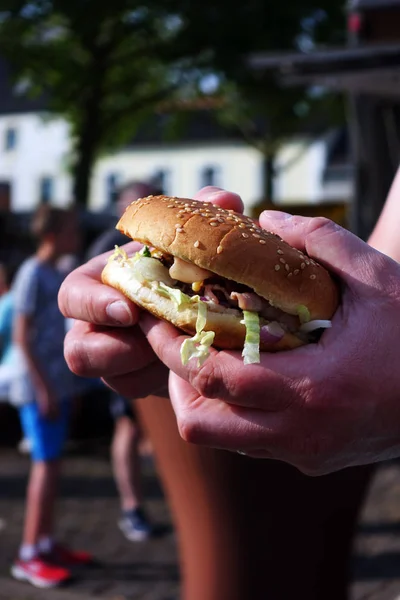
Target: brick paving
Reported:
[(149, 571)]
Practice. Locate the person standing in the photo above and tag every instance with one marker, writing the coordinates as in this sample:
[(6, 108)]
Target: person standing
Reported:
[(43, 392), (125, 458)]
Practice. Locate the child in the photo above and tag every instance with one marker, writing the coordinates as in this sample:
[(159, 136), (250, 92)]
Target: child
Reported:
[(43, 392)]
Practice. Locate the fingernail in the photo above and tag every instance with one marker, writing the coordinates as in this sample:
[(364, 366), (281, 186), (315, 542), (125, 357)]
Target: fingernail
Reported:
[(278, 215), (120, 313), (210, 189)]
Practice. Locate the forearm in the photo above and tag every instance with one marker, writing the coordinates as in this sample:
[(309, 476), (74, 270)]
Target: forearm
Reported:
[(385, 236)]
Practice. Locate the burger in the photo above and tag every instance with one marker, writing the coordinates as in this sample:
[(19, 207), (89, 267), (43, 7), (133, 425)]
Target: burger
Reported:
[(216, 275)]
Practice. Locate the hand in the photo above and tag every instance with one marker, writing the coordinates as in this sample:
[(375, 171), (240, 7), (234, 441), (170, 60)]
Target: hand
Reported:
[(47, 402), (105, 340), (321, 407)]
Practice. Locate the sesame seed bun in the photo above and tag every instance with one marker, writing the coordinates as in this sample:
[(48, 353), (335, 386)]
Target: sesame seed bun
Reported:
[(229, 331), (233, 246)]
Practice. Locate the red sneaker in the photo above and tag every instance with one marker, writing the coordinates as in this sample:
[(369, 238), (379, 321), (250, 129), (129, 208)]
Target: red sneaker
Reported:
[(39, 573), (62, 555)]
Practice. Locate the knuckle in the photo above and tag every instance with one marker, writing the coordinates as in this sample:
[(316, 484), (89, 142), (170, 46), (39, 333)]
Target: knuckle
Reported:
[(207, 380), (189, 428), (77, 356), (321, 223)]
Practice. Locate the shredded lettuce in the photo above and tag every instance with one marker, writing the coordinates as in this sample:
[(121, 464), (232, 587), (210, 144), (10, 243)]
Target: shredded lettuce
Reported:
[(199, 345), (251, 348), (174, 294), (119, 254), (304, 313)]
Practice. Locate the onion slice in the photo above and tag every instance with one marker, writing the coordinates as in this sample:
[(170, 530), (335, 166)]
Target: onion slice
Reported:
[(316, 324), (271, 333)]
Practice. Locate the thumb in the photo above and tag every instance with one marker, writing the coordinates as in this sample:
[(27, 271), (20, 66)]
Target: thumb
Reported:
[(222, 198), (340, 251)]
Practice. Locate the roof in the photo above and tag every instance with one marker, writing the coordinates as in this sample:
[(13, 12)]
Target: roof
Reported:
[(372, 69), (12, 102), (372, 4)]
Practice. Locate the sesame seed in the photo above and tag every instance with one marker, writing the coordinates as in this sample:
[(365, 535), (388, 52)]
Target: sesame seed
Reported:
[(204, 214), (290, 274), (256, 235), (196, 244), (245, 235), (219, 249), (252, 229), (303, 266), (187, 204), (277, 267), (313, 277), (213, 224), (296, 272), (242, 226), (282, 260), (287, 267), (180, 230), (220, 220), (262, 241), (307, 262), (279, 252)]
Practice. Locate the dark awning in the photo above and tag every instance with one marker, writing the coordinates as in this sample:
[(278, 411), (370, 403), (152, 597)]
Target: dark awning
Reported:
[(372, 4), (372, 69)]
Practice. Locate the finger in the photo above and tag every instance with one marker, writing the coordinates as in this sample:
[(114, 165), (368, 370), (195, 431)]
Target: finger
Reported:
[(214, 423), (91, 351), (222, 198), (291, 228), (340, 251), (84, 297), (224, 376), (151, 380)]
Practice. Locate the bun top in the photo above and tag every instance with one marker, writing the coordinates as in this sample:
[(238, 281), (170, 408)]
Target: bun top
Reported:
[(233, 246)]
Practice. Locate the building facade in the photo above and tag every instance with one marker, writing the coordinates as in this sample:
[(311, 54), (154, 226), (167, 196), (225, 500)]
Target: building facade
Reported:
[(35, 152)]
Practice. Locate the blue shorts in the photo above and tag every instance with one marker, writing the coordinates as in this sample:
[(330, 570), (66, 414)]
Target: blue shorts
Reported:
[(46, 436)]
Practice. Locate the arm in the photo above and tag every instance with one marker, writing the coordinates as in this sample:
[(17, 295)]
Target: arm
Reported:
[(45, 396), (385, 236)]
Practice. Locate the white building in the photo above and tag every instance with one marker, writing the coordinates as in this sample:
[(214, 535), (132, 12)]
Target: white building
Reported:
[(35, 155)]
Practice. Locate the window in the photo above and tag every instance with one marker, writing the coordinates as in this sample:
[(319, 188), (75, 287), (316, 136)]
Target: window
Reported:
[(160, 180), (210, 175), (10, 139), (111, 188), (46, 191)]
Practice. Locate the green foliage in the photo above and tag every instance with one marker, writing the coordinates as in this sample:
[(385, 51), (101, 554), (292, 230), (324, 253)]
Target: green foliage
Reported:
[(105, 65)]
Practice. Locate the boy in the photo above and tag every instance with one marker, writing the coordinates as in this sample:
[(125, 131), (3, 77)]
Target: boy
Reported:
[(125, 457), (43, 391)]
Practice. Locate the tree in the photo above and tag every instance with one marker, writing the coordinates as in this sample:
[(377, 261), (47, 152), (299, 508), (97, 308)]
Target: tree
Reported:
[(105, 66)]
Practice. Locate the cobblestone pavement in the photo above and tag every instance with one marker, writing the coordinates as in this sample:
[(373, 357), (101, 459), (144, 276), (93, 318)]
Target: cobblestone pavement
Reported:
[(148, 571)]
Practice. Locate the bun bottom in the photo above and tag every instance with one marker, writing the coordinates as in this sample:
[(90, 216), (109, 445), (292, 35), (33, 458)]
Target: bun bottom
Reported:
[(229, 331)]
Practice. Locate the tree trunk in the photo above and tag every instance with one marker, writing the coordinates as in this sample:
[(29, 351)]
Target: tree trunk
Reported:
[(89, 129), (86, 151), (268, 177)]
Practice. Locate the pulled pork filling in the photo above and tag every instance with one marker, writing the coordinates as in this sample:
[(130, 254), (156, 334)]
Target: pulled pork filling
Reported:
[(222, 295), (185, 283)]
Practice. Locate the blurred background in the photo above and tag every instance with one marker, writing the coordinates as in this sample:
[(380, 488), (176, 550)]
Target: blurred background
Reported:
[(293, 104)]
